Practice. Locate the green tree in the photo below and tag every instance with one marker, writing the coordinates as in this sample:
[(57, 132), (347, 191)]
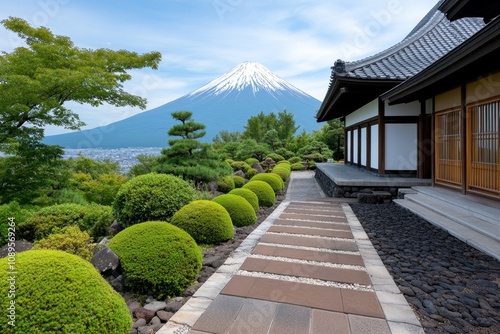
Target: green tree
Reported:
[(259, 126), (38, 79), (332, 134), (187, 157), (32, 173)]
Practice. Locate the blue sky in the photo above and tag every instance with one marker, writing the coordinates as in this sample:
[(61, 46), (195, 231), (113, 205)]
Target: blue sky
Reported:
[(202, 39)]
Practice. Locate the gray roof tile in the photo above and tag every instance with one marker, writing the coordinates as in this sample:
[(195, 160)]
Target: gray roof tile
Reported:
[(431, 39)]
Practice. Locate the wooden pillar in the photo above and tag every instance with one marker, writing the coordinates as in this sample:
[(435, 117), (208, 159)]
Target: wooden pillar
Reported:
[(381, 137), (351, 148), (463, 139), (359, 146), (368, 147), (433, 142)]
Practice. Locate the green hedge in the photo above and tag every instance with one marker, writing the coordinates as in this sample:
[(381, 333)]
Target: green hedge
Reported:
[(151, 197), (248, 195), (264, 192), (13, 209), (56, 292), (294, 160), (298, 166), (241, 212), (206, 221), (238, 181), (251, 161), (94, 218), (70, 240), (157, 257), (283, 169), (225, 184), (273, 179)]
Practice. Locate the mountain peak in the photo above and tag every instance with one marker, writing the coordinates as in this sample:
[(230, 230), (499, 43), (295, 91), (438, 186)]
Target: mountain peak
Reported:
[(247, 75)]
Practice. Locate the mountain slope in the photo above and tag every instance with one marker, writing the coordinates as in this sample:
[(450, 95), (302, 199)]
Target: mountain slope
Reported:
[(225, 103)]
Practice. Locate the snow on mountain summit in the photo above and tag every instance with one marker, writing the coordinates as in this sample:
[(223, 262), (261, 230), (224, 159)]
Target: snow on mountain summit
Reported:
[(245, 75)]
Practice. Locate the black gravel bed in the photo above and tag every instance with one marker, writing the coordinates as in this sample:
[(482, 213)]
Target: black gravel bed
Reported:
[(452, 287)]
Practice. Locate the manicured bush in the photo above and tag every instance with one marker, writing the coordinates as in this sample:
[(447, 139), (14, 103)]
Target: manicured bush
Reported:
[(157, 257), (103, 189), (250, 173), (95, 219), (294, 160), (70, 240), (240, 165), (282, 170), (298, 166), (57, 292), (312, 165), (248, 195), (251, 161), (206, 221), (264, 192), (151, 197), (285, 162), (225, 184), (276, 157), (238, 181), (274, 180), (241, 212), (13, 209)]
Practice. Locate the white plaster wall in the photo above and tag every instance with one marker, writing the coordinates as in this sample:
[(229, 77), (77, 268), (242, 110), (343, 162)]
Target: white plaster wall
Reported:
[(408, 109), (355, 146), (401, 147), (367, 111), (374, 146), (348, 148), (363, 146)]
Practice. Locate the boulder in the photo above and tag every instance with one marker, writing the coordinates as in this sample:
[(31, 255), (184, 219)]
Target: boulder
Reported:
[(20, 246), (258, 167), (115, 228), (142, 313), (105, 260)]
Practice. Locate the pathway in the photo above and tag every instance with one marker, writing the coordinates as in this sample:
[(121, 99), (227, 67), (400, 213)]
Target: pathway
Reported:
[(308, 269)]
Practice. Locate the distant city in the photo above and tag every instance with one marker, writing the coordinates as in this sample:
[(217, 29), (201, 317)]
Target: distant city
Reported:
[(127, 157)]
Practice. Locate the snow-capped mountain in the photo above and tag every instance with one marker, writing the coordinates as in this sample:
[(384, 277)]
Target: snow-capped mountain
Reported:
[(225, 103)]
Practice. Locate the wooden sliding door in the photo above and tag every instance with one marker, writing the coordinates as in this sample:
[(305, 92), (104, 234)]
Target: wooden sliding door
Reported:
[(448, 148), (483, 168)]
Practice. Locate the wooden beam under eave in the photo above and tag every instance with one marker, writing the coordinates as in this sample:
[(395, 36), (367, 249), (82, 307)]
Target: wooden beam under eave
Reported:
[(381, 137)]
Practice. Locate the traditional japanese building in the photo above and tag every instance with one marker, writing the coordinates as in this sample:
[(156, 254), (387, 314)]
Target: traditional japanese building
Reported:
[(382, 136)]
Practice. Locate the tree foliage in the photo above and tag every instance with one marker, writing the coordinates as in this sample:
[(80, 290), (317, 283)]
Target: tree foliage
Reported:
[(37, 79), (272, 129)]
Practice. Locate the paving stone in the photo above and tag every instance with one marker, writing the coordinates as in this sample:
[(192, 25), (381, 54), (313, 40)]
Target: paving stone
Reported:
[(255, 317), (365, 325), (329, 322), (311, 231), (220, 315), (332, 218), (291, 319), (336, 226), (361, 303)]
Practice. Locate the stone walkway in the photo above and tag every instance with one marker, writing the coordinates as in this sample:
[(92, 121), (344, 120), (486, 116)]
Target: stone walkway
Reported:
[(308, 269)]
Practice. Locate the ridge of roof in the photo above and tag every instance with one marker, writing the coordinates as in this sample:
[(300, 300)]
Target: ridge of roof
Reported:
[(432, 38)]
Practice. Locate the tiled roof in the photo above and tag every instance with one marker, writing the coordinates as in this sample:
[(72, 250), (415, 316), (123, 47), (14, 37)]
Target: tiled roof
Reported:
[(431, 39)]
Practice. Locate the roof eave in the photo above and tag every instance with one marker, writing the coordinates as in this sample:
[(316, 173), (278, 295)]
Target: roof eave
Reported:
[(432, 79)]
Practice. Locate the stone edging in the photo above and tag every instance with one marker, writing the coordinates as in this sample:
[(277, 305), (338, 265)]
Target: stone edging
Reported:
[(184, 319), (400, 316)]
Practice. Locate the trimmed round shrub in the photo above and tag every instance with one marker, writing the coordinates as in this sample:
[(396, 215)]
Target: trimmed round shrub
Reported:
[(251, 161), (206, 221), (57, 292), (298, 166), (225, 184), (285, 162), (294, 160), (151, 197), (274, 180), (240, 165), (241, 212), (282, 170), (70, 240), (95, 219), (248, 195), (158, 258), (250, 173), (238, 181), (276, 157), (264, 192)]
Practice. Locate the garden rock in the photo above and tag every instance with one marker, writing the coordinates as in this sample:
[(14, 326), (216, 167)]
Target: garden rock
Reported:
[(164, 316), (139, 323), (115, 228), (155, 306), (240, 173), (258, 167), (142, 313), (105, 260), (21, 246)]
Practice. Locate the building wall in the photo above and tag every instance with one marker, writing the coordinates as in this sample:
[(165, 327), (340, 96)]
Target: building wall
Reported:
[(448, 100), (401, 147), (374, 146), (367, 111), (409, 109)]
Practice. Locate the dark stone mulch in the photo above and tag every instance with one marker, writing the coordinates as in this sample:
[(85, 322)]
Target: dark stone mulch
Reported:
[(452, 287)]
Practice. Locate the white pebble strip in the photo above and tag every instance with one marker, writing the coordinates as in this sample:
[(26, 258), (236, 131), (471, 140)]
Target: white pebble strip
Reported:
[(314, 228), (310, 236), (316, 263), (314, 221), (306, 280), (326, 250)]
